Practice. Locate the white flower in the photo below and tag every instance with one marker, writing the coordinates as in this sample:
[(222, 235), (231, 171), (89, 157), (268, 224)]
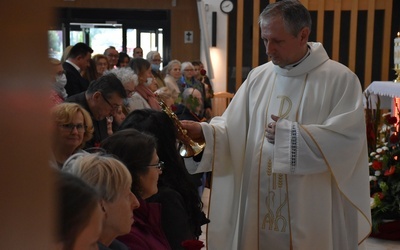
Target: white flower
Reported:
[(372, 202), (369, 163), (373, 153), (385, 148), (383, 130), (377, 156), (379, 150), (377, 173), (372, 178)]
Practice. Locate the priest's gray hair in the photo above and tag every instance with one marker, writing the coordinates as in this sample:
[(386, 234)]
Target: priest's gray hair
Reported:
[(295, 15)]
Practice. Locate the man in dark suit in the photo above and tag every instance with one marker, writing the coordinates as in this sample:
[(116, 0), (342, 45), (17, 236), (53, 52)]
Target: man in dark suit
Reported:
[(103, 97), (77, 60)]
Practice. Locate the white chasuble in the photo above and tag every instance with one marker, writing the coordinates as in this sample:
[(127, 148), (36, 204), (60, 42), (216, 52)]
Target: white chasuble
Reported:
[(309, 190), (273, 201)]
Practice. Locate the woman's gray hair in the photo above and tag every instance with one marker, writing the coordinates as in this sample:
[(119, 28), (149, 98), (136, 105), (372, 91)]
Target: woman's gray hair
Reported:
[(104, 173), (172, 63), (150, 56), (184, 65), (295, 16), (125, 75)]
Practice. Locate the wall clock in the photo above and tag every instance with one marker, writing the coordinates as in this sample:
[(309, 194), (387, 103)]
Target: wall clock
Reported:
[(226, 6)]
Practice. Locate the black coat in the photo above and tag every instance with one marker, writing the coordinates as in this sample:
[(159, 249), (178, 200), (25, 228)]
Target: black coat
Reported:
[(75, 82)]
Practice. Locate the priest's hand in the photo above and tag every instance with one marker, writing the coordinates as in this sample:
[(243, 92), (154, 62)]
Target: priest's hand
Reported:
[(270, 129), (194, 130)]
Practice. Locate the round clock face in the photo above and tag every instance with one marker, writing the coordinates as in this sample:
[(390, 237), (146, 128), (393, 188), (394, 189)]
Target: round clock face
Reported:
[(226, 6)]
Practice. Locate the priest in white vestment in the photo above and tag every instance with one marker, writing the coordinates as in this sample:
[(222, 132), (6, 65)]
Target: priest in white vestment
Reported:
[(289, 155)]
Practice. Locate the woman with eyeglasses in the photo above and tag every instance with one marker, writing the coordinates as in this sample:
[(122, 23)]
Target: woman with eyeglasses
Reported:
[(72, 128), (182, 215), (112, 180), (188, 80), (138, 152)]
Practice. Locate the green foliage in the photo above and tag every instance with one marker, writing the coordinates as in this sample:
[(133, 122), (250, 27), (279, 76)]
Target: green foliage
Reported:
[(384, 156)]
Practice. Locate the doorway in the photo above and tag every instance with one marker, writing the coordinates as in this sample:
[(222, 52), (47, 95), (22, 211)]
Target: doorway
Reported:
[(101, 28)]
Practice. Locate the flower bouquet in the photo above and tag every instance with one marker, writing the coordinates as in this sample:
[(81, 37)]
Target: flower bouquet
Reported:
[(384, 165)]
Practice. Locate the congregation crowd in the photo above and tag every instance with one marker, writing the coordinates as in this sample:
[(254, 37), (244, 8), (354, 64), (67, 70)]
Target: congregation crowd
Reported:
[(122, 181)]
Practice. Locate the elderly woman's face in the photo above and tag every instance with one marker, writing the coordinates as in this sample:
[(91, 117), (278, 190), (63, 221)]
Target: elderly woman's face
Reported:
[(148, 181), (119, 213), (101, 66), (175, 71), (70, 135), (188, 72)]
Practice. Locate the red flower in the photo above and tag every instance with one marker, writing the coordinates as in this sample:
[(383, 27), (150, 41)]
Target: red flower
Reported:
[(379, 194), (174, 108), (391, 119), (394, 138), (192, 244), (390, 171), (203, 72), (377, 165)]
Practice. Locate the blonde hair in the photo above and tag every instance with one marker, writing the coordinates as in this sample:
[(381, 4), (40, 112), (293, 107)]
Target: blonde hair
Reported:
[(63, 113), (106, 174), (54, 61), (65, 54), (97, 57)]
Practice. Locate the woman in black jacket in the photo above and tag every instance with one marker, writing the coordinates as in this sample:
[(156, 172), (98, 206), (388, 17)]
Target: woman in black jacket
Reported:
[(182, 215)]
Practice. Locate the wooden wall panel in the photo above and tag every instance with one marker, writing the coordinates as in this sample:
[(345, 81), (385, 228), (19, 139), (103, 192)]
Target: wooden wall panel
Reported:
[(355, 7), (239, 42)]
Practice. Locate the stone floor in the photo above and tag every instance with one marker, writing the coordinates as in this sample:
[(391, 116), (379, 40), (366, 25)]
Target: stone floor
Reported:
[(370, 244)]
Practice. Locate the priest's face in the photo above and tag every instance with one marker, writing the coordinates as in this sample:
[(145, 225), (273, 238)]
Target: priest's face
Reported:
[(282, 47)]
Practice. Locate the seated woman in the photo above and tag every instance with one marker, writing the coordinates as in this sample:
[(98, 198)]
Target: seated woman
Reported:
[(188, 80), (123, 60), (173, 73), (165, 95), (144, 96), (113, 181), (138, 152), (80, 217), (72, 128), (182, 214), (58, 93), (101, 63)]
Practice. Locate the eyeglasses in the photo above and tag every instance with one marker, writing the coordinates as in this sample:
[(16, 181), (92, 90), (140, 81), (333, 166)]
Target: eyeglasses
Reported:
[(159, 165), (114, 107), (129, 92), (70, 127)]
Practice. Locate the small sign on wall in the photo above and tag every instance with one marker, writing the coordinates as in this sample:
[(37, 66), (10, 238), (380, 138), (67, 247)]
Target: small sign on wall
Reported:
[(188, 36)]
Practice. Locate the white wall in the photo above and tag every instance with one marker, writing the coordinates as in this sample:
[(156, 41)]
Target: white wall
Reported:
[(218, 54)]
